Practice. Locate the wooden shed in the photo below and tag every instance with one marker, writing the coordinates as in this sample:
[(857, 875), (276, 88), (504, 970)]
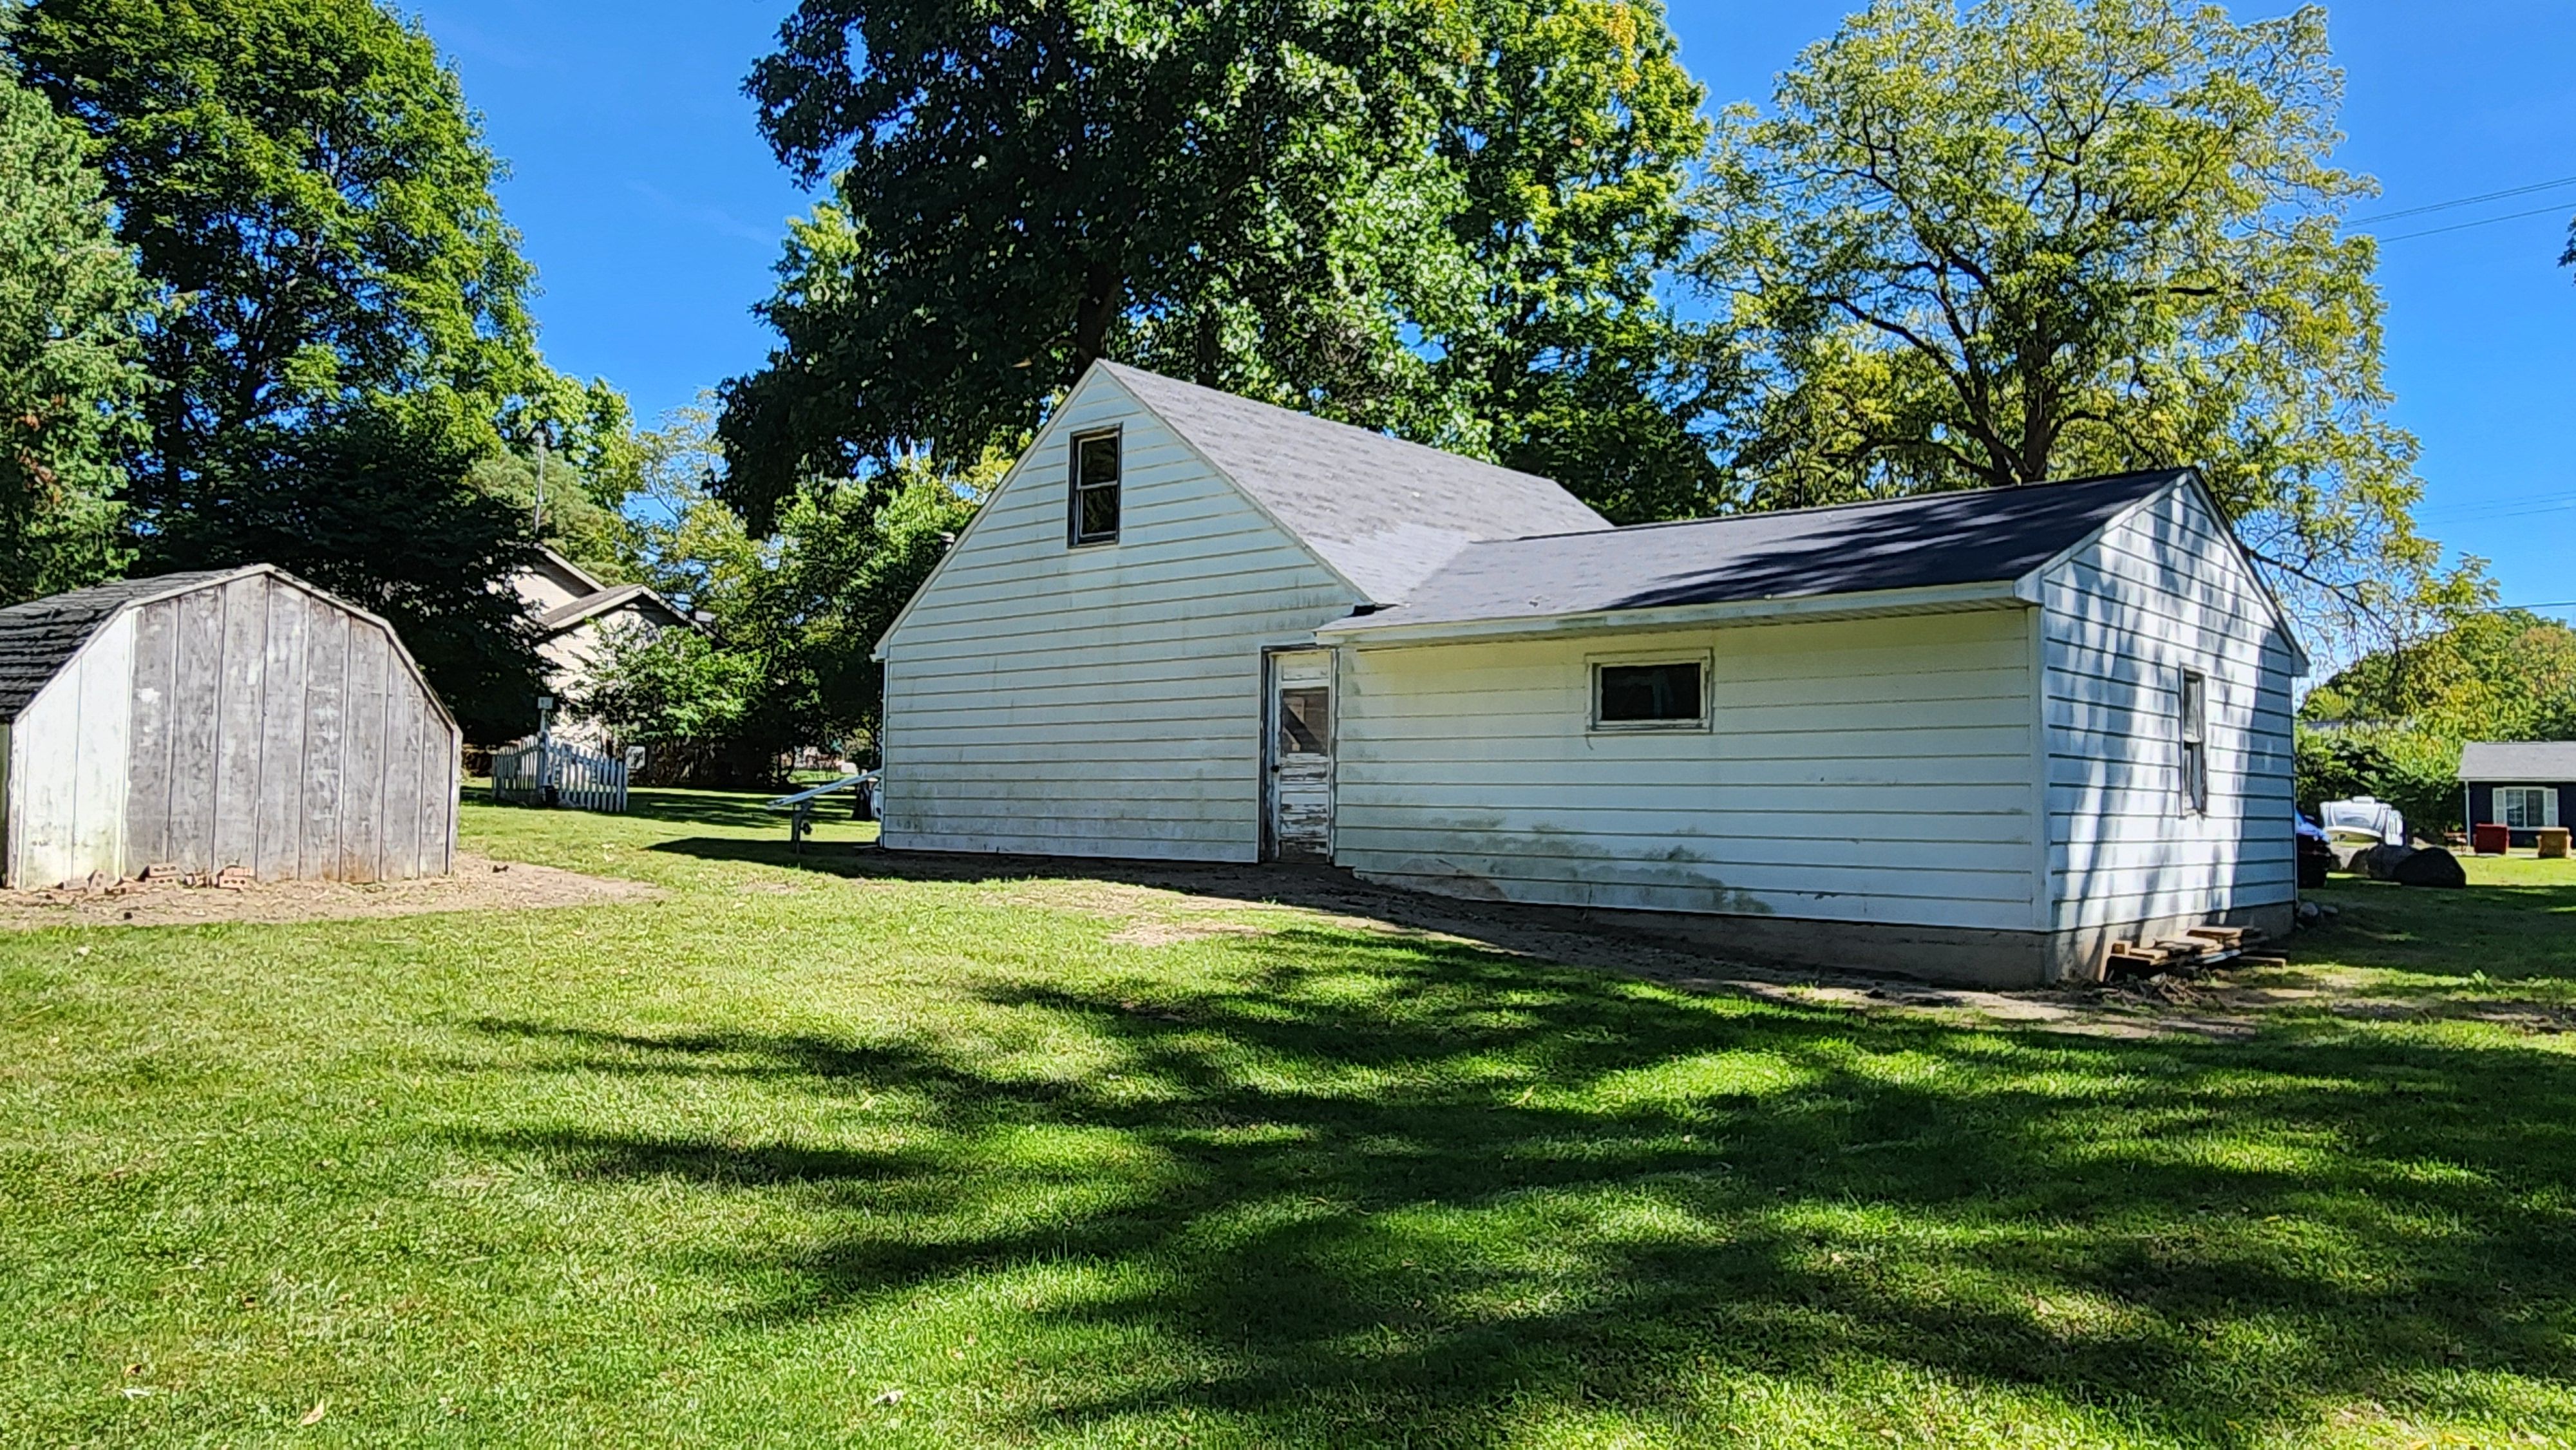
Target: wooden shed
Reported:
[(230, 718)]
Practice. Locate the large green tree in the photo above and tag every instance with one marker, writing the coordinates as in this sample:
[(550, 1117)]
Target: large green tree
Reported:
[(2031, 239), (1573, 132), (70, 376), (308, 192), (1445, 220)]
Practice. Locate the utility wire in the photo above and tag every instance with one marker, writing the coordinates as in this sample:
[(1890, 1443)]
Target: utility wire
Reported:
[(2390, 216), (2483, 221)]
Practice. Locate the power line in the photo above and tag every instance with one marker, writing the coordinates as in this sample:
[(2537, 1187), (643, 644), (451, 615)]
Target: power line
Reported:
[(2482, 221), (2390, 216)]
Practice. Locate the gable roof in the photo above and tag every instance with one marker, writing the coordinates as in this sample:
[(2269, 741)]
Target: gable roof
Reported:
[(1929, 541), (1384, 513), (2531, 760), (41, 636), (563, 617)]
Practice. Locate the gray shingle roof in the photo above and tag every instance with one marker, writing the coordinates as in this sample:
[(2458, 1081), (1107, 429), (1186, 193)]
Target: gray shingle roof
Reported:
[(39, 637), (1384, 512), (2539, 761), (1968, 537)]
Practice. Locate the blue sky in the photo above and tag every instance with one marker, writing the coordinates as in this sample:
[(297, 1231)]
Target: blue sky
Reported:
[(653, 212)]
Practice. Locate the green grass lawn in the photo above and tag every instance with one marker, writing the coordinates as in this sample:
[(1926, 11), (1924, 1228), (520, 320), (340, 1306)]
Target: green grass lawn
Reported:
[(854, 1150)]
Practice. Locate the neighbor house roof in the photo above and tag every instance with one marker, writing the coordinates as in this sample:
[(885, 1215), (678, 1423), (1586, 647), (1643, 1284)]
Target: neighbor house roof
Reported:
[(2529, 760), (1385, 513), (590, 606), (1974, 536), (39, 637), (592, 597)]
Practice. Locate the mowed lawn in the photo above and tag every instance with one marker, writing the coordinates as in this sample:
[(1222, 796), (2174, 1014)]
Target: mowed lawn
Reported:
[(857, 1151)]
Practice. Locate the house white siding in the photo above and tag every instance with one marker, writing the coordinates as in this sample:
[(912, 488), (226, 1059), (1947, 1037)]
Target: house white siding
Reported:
[(2162, 591), (1102, 700), (1874, 770), (68, 753)]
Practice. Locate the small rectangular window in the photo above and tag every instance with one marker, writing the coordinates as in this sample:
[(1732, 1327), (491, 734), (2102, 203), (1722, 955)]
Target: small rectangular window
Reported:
[(2527, 807), (1306, 721), (1095, 488), (2195, 742), (1667, 694)]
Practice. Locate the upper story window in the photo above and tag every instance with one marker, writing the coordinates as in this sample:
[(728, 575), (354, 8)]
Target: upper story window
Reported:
[(2195, 742), (1095, 488), (1666, 694)]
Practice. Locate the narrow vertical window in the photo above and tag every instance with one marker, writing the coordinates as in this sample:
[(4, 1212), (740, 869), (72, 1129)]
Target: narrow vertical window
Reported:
[(2195, 742), (1095, 488)]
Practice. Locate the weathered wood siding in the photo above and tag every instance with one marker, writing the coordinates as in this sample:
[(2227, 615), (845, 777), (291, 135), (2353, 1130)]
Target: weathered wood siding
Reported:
[(1858, 770), (2163, 591), (67, 766), (1105, 700), (253, 724)]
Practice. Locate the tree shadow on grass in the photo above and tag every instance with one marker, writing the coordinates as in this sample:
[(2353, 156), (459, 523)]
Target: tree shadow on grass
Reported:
[(1447, 1185)]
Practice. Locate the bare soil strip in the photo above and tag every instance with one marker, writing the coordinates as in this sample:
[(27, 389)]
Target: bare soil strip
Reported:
[(478, 884)]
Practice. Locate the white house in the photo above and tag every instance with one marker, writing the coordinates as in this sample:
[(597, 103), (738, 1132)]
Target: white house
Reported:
[(576, 612), (1973, 736)]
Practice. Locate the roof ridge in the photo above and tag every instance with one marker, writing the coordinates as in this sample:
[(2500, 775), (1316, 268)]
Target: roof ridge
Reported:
[(1130, 370), (1865, 503)]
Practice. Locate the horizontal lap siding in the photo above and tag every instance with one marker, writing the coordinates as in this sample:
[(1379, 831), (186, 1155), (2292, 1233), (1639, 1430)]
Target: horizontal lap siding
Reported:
[(2162, 592), (68, 763), (1103, 701), (1875, 770)]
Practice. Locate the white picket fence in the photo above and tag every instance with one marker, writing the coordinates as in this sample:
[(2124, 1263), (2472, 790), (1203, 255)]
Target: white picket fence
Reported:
[(581, 779)]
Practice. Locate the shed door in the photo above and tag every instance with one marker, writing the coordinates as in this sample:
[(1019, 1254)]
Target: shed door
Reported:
[(1301, 755)]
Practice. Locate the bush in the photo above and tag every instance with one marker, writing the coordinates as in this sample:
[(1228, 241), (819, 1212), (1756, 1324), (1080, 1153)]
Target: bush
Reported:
[(2415, 772)]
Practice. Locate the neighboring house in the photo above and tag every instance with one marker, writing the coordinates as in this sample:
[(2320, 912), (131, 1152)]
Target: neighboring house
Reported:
[(1976, 735), (236, 717), (2520, 785), (576, 614)]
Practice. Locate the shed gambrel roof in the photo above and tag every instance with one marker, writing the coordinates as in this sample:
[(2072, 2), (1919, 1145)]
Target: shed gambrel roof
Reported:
[(1928, 541), (2518, 760), (39, 637), (1384, 513)]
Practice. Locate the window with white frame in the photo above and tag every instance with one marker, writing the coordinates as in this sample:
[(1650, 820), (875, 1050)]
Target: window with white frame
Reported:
[(2527, 807), (1650, 693), (2195, 742), (1094, 469)]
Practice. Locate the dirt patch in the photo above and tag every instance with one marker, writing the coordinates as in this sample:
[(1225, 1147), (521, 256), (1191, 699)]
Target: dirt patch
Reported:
[(477, 885)]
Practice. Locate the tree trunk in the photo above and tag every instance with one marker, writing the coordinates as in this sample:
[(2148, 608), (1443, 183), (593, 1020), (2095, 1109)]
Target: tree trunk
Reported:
[(1102, 287)]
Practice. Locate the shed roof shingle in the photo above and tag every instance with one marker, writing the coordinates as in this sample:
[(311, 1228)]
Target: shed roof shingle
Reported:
[(2518, 760), (1384, 512), (39, 637), (1966, 537)]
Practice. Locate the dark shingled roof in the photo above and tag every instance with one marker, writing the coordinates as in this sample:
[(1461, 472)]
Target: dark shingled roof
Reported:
[(1969, 537), (1384, 512), (39, 637)]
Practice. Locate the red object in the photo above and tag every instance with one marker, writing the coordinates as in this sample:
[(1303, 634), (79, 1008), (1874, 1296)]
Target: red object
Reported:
[(2491, 840)]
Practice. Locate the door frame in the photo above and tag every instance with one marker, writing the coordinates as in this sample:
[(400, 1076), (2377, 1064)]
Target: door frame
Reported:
[(1267, 789)]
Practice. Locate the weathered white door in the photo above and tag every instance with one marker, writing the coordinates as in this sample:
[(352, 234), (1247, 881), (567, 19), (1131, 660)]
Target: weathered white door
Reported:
[(1301, 755)]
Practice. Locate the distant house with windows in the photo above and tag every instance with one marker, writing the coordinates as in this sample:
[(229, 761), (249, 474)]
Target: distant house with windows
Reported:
[(577, 612), (2521, 785), (1977, 736)]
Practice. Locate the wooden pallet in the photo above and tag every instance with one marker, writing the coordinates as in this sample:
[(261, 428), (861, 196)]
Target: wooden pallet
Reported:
[(2201, 946)]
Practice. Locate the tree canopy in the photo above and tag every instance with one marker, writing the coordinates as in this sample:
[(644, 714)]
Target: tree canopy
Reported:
[(1441, 220), (2034, 239), (342, 313), (70, 375)]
